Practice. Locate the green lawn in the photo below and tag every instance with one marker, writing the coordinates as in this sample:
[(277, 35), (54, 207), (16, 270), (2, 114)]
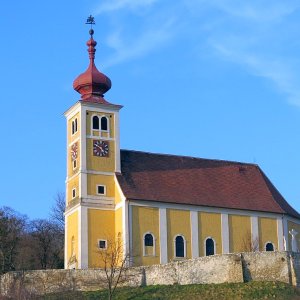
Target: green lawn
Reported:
[(251, 290)]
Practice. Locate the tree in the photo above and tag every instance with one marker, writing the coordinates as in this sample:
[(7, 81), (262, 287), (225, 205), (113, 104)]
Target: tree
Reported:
[(48, 243), (249, 243), (115, 264), (58, 210), (12, 227)]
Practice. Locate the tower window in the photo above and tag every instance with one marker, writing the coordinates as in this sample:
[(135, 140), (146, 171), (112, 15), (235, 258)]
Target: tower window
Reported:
[(104, 124), (269, 246), (209, 247), (74, 164), (179, 246), (102, 244), (101, 189), (95, 122), (73, 193), (74, 126)]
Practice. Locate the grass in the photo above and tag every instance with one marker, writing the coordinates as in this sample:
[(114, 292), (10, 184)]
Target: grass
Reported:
[(230, 291)]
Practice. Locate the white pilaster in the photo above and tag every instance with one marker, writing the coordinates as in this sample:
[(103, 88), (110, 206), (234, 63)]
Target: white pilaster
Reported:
[(280, 234), (66, 243), (125, 214), (225, 233), (83, 237), (117, 143), (285, 233), (79, 237), (82, 138), (163, 236), (195, 234), (254, 230)]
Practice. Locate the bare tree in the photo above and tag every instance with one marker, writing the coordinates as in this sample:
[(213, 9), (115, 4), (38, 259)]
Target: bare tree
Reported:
[(250, 243), (12, 226), (58, 209), (115, 264), (48, 243)]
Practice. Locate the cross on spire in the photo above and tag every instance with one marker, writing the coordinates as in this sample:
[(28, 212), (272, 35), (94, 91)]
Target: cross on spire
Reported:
[(91, 21)]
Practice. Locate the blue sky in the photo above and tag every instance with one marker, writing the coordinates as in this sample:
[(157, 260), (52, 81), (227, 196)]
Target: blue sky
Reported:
[(212, 79)]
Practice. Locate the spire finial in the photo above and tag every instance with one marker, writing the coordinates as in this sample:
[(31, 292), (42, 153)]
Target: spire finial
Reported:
[(91, 21), (92, 84)]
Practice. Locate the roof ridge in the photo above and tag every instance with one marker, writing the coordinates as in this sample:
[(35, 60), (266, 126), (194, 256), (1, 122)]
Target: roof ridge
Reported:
[(193, 157)]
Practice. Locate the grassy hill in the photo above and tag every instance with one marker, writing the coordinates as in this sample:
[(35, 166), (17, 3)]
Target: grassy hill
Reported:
[(251, 290)]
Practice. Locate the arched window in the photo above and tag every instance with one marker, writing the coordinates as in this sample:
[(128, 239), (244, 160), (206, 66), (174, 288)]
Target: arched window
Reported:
[(95, 123), (179, 246), (269, 246), (209, 247), (74, 126), (104, 123), (149, 244), (148, 240)]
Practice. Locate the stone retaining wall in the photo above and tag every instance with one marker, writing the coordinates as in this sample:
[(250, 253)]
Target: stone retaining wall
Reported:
[(243, 267)]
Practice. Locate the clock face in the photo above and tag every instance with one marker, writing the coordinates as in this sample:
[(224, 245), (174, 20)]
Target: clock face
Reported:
[(74, 151), (100, 148)]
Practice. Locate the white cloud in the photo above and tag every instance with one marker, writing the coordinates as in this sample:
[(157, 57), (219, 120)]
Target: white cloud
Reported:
[(139, 45), (278, 71), (114, 5), (254, 34), (257, 35), (260, 11)]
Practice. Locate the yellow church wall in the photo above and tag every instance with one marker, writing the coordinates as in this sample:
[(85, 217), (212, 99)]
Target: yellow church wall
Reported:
[(178, 223), (119, 223), (239, 232), (104, 164), (73, 183), (101, 225), (145, 220), (72, 233), (110, 117), (106, 180), (295, 226), (267, 228), (71, 137), (209, 225)]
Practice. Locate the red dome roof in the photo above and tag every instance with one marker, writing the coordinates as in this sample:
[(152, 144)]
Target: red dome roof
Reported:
[(92, 84)]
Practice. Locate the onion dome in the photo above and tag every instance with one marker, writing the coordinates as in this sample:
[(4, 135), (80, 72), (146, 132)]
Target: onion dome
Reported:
[(92, 84)]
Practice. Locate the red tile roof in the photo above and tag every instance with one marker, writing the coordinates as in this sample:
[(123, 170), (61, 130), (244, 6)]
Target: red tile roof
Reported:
[(196, 181)]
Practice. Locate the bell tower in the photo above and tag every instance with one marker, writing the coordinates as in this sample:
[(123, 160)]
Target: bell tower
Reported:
[(93, 158)]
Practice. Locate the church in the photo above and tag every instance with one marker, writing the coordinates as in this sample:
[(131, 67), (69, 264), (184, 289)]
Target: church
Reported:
[(163, 207)]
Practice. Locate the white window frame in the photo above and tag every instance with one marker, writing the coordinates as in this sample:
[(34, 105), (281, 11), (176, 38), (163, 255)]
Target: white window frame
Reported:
[(215, 245), (107, 120), (174, 246), (98, 244), (104, 194), (100, 129), (269, 242), (144, 247), (92, 129), (73, 193)]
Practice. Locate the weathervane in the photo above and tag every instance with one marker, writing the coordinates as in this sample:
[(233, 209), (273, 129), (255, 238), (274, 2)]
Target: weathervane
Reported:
[(91, 21)]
